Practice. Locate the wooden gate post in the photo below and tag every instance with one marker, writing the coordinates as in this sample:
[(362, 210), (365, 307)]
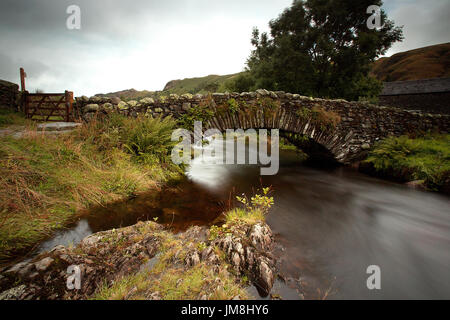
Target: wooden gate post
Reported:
[(68, 103), (22, 79), (23, 95), (71, 105)]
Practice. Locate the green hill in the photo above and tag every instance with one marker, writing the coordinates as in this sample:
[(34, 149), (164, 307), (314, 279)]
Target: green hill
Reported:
[(423, 63), (203, 85), (129, 94), (211, 83)]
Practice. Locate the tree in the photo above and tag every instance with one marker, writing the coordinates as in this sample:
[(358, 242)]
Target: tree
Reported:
[(321, 48), (241, 83)]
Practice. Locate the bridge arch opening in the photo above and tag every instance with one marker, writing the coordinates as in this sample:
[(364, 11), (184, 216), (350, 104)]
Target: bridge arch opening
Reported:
[(319, 156)]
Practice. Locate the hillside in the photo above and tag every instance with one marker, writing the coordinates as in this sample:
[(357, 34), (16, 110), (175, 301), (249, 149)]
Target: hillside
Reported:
[(423, 63), (211, 83), (129, 94)]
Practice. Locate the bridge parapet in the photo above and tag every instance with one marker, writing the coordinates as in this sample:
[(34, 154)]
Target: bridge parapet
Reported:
[(345, 128)]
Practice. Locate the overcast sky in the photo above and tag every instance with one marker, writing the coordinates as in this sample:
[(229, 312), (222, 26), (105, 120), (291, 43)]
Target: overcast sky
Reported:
[(142, 44)]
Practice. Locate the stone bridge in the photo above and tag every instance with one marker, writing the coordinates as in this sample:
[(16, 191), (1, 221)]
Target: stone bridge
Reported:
[(346, 129)]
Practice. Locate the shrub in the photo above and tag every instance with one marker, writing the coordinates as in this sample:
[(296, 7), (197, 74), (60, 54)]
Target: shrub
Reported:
[(325, 119), (196, 113), (149, 139), (233, 105), (426, 158), (241, 83), (253, 210)]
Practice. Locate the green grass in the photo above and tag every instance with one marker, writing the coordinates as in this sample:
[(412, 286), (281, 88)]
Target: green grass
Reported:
[(8, 117), (45, 181), (252, 216), (423, 158)]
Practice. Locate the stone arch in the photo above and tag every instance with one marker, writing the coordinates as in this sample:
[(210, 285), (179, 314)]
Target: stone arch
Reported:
[(287, 120)]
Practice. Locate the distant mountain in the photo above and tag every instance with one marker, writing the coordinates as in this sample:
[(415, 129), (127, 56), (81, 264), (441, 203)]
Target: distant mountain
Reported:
[(211, 83), (423, 63), (129, 94)]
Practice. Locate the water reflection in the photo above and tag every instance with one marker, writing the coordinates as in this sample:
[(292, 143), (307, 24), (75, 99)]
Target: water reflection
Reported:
[(177, 207), (68, 237)]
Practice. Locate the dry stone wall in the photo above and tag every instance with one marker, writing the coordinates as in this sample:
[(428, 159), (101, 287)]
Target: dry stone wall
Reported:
[(356, 126), (8, 95)]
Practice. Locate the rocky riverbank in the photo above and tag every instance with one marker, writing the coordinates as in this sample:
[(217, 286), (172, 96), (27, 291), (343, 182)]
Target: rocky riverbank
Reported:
[(146, 261)]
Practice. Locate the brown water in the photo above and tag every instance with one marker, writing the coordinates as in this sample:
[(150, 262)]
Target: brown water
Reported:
[(333, 225), (177, 207)]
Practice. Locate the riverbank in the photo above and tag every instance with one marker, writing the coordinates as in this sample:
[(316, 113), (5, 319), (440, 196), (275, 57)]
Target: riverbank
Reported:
[(421, 162), (146, 261), (46, 181)]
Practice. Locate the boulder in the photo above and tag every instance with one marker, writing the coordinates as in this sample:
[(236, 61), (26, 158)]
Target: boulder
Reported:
[(417, 184), (132, 103), (251, 255), (43, 264), (262, 92), (187, 96), (264, 277), (115, 100), (108, 106), (92, 107), (95, 99), (147, 101), (122, 105)]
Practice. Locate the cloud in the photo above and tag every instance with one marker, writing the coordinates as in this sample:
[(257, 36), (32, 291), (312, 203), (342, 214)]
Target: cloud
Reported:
[(143, 44), (123, 44), (425, 23)]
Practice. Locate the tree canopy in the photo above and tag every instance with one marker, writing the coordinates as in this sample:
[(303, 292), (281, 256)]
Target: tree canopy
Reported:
[(320, 48)]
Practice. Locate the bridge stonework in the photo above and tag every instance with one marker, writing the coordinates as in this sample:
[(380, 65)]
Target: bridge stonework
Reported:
[(354, 128)]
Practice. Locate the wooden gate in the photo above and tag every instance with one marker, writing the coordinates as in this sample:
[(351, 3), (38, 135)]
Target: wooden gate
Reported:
[(46, 106)]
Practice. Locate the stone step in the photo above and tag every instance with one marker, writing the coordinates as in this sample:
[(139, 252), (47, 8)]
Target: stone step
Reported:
[(58, 126)]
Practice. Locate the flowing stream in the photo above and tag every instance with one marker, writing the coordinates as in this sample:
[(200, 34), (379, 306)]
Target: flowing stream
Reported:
[(333, 225)]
